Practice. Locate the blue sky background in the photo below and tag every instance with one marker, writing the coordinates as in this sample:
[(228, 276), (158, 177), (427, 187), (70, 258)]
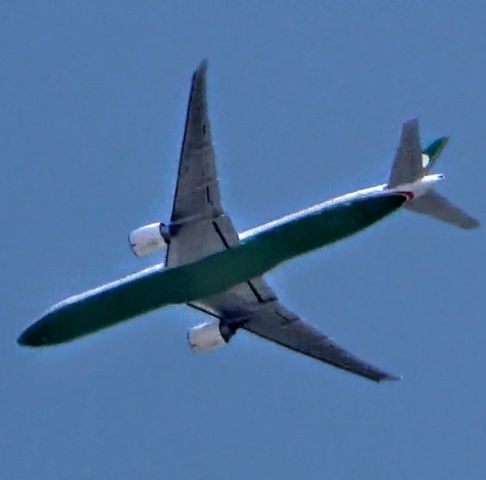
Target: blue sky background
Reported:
[(306, 101)]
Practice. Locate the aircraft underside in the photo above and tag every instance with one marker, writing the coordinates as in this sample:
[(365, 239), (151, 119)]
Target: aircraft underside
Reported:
[(212, 269)]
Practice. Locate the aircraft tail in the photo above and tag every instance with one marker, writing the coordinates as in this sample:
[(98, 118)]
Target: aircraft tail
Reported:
[(435, 205), (411, 164)]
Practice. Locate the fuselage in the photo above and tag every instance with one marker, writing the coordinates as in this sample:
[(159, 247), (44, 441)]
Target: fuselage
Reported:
[(260, 250), (410, 191)]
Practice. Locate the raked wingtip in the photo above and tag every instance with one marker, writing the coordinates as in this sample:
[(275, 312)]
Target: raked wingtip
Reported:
[(392, 378)]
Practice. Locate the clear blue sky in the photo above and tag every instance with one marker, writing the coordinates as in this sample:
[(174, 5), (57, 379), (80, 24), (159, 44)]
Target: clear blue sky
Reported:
[(306, 101)]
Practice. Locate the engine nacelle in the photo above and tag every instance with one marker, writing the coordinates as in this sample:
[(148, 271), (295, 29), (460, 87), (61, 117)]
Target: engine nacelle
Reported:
[(148, 239), (208, 336)]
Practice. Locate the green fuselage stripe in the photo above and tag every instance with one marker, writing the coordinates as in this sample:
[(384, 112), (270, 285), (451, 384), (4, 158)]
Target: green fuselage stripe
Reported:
[(257, 253)]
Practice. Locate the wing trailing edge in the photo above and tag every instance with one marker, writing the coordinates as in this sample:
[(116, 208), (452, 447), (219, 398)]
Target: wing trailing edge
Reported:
[(285, 328)]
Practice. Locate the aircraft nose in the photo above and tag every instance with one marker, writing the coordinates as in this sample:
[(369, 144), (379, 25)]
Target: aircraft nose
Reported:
[(24, 339), (31, 338)]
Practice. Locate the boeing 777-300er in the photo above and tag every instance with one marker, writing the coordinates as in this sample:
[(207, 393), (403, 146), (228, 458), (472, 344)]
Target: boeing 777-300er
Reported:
[(211, 268)]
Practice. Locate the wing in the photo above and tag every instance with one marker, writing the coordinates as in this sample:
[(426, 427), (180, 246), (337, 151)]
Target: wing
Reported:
[(285, 328), (197, 192), (253, 307), (407, 165), (200, 227), (198, 224)]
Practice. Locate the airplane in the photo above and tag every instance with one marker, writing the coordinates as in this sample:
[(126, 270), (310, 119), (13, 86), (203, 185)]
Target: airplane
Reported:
[(211, 268)]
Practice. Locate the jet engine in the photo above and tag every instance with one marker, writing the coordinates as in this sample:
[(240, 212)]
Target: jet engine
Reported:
[(208, 336), (148, 239)]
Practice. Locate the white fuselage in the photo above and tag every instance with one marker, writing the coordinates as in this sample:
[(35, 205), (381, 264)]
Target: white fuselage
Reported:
[(412, 190)]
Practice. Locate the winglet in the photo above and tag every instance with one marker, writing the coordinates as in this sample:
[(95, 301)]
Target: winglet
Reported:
[(390, 378), (202, 68)]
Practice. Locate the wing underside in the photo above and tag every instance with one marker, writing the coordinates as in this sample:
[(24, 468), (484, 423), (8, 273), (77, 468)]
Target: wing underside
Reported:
[(199, 227), (285, 328), (198, 224), (197, 192)]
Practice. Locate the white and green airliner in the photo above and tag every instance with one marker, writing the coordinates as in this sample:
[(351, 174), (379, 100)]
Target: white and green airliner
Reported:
[(212, 268)]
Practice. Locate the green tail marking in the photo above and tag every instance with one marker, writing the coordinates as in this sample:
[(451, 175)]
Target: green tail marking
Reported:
[(434, 150)]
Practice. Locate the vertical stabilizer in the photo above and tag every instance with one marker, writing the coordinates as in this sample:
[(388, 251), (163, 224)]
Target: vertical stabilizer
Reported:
[(407, 165), (411, 164)]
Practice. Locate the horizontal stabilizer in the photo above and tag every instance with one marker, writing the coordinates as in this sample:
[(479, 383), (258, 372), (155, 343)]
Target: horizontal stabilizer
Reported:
[(435, 205)]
